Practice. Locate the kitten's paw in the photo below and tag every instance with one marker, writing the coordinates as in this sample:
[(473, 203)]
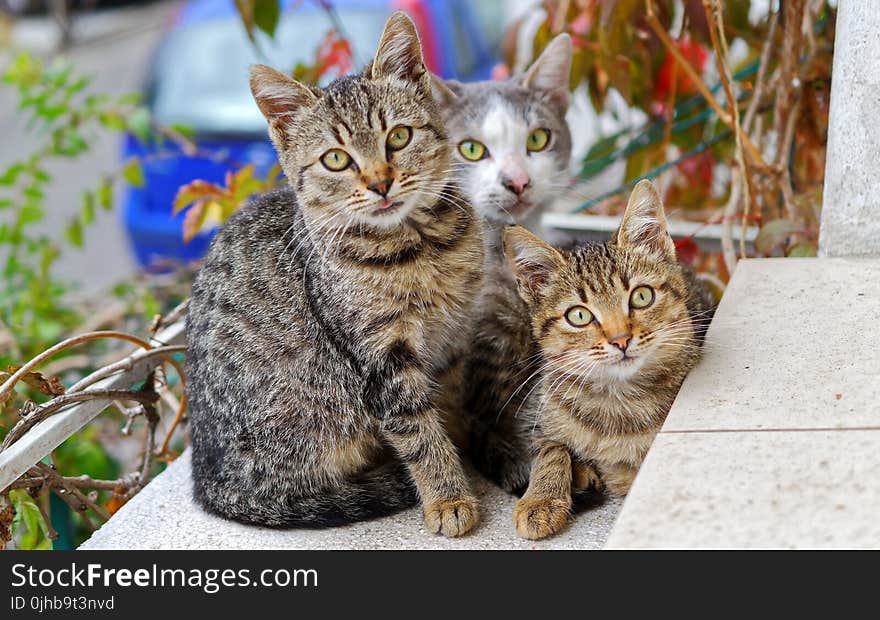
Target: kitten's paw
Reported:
[(539, 517), (452, 517), (619, 479), (584, 477)]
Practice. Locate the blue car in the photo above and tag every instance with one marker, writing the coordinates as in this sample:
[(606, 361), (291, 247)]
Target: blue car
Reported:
[(199, 79)]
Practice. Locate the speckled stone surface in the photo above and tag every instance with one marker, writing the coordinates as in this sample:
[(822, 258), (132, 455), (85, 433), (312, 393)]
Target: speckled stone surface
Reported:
[(851, 200), (774, 440), (754, 490), (164, 516), (791, 346)]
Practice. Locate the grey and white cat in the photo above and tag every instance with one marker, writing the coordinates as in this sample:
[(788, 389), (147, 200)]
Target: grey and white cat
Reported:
[(328, 316), (511, 142), (511, 148)]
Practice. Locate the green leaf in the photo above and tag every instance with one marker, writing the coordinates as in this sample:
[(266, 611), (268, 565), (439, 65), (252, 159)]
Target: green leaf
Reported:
[(87, 210), (266, 14), (34, 193), (112, 120), (29, 525), (139, 123), (74, 233), (105, 194), (133, 173), (10, 176), (29, 215)]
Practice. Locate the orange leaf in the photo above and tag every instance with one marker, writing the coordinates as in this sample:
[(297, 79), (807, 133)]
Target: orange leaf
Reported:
[(192, 221), (117, 501), (196, 190)]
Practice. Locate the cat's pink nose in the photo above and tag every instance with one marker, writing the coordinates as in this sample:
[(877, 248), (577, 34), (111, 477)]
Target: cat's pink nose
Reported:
[(516, 183), (621, 341)]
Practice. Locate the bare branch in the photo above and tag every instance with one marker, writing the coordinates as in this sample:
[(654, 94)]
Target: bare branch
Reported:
[(9, 384), (60, 402)]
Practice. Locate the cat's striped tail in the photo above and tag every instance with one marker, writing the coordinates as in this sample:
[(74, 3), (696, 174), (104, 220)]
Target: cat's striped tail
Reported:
[(375, 493)]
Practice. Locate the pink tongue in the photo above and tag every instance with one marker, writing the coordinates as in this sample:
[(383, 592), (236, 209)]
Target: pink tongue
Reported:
[(385, 204)]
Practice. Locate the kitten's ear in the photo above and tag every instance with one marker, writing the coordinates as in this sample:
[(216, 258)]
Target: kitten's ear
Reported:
[(445, 93), (644, 222), (399, 53), (278, 95), (532, 260), (551, 72)]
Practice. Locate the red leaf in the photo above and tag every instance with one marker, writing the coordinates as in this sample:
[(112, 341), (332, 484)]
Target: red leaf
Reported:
[(333, 53), (687, 250), (696, 55)]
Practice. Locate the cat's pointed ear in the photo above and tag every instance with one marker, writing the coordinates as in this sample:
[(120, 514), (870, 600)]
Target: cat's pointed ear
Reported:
[(532, 260), (399, 53), (644, 222), (278, 95), (551, 72), (445, 92)]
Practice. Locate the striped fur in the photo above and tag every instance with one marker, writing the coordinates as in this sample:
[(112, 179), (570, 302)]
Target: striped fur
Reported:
[(501, 114), (605, 386), (326, 317)]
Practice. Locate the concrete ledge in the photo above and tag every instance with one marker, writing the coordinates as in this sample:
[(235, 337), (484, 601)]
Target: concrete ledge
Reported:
[(774, 439), (164, 516), (755, 490), (791, 346)]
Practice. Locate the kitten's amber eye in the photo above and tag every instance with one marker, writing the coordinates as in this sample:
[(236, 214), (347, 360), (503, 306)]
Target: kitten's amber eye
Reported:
[(538, 140), (472, 150), (641, 297), (336, 160), (399, 137), (579, 316)]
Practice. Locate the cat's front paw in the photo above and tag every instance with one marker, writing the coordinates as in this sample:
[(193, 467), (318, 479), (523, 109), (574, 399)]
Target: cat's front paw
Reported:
[(539, 517), (585, 477), (452, 517)]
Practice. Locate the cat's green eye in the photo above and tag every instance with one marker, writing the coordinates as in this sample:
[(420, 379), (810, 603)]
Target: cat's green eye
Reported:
[(538, 140), (641, 297), (399, 137), (578, 316), (473, 150), (336, 160)]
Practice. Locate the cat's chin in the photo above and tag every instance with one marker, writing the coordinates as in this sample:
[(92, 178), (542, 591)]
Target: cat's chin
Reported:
[(622, 370), (515, 213), (389, 215)]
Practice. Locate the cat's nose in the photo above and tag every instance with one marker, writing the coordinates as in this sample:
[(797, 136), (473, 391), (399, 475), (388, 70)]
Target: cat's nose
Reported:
[(621, 341), (380, 187), (516, 184)]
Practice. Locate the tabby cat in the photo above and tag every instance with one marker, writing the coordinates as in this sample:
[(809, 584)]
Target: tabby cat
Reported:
[(326, 314), (512, 148), (618, 326)]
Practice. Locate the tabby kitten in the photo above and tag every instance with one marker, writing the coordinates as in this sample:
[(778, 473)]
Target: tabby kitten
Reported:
[(326, 314), (512, 148), (618, 325)]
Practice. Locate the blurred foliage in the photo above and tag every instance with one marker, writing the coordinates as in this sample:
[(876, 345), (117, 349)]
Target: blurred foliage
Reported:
[(617, 49), (66, 119), (37, 308), (208, 204)]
